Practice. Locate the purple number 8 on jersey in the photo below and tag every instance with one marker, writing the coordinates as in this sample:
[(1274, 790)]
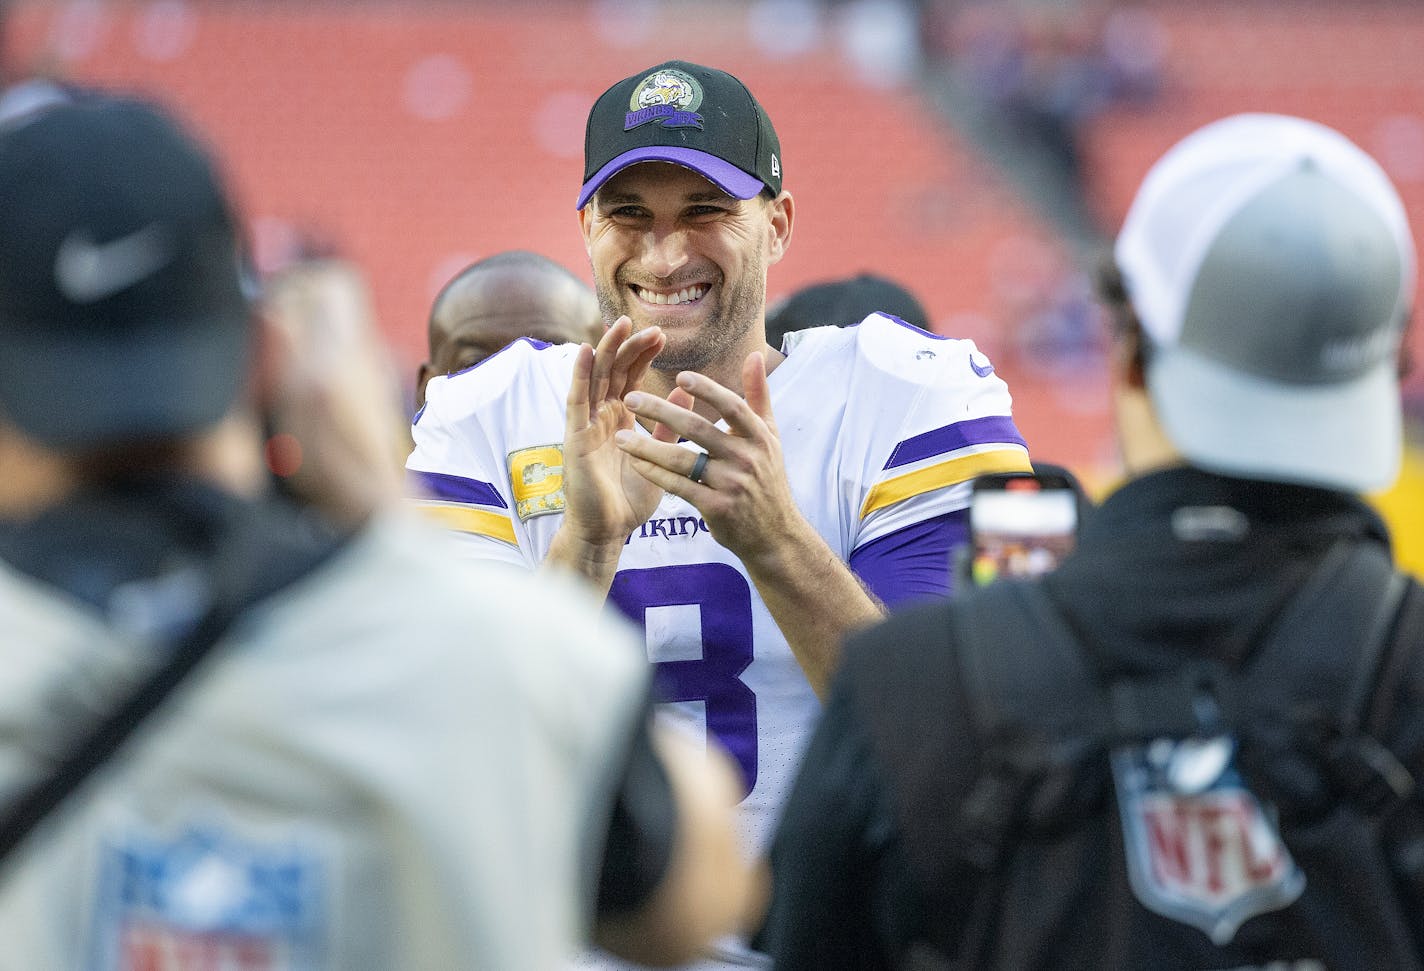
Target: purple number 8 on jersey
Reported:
[(724, 602)]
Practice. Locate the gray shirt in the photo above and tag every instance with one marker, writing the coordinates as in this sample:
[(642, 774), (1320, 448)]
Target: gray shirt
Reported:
[(402, 761)]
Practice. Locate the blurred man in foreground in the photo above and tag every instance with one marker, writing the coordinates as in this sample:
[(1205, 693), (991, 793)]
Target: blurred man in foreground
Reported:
[(241, 732), (500, 299), (1198, 743)]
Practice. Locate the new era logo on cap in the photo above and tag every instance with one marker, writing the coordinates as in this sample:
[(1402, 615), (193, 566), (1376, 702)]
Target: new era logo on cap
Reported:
[(694, 116)]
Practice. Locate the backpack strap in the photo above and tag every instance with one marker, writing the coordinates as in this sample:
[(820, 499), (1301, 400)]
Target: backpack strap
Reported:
[(1393, 663), (1036, 703), (1347, 745), (1351, 598), (1320, 715), (1364, 767), (1403, 824), (1012, 653)]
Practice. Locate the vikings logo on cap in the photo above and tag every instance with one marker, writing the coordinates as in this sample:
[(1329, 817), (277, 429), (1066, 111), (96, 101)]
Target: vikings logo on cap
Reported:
[(669, 96)]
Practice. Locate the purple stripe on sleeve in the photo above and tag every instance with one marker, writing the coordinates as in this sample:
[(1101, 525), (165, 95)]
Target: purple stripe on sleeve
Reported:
[(439, 485), (976, 431), (913, 563)]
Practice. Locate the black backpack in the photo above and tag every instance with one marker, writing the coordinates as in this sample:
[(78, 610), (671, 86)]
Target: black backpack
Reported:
[(1306, 723)]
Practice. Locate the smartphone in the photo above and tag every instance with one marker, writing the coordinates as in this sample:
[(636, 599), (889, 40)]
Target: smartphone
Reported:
[(1021, 524)]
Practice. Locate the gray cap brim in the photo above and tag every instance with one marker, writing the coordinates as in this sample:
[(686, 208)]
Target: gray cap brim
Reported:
[(1342, 436)]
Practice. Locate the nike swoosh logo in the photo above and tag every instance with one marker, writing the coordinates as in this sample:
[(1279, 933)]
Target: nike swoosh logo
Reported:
[(86, 271), (983, 371)]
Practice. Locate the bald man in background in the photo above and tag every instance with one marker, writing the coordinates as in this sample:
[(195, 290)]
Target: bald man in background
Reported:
[(500, 299)]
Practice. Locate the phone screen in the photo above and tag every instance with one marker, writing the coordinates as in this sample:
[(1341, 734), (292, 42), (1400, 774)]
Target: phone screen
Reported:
[(1020, 525)]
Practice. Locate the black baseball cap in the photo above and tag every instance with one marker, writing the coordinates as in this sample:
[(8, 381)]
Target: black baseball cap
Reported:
[(698, 117), (123, 315)]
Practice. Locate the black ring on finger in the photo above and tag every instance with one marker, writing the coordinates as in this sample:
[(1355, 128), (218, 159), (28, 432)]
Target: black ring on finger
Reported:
[(699, 467)]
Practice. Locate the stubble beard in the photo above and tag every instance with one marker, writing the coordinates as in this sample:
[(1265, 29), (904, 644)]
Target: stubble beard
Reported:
[(738, 309)]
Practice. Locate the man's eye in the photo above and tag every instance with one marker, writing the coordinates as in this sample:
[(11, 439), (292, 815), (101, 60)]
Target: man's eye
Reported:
[(627, 212), (705, 211)]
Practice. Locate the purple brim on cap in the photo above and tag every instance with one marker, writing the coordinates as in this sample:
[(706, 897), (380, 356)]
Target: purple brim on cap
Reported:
[(724, 175)]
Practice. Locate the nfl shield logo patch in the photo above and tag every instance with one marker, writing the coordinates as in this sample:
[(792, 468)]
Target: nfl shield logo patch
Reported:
[(207, 899), (1201, 850)]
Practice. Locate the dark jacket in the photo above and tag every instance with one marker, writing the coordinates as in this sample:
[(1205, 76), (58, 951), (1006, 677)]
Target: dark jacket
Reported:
[(1177, 565)]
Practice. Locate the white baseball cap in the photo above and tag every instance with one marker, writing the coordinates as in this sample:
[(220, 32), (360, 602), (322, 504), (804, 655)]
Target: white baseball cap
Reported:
[(1271, 265)]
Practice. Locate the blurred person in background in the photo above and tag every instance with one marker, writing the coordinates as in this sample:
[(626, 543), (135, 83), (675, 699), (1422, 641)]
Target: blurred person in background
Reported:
[(1198, 743), (839, 303), (652, 466), (500, 299), (243, 731), (1024, 78)]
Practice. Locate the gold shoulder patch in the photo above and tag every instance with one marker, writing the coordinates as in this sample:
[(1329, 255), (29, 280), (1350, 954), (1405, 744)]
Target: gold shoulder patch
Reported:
[(536, 480)]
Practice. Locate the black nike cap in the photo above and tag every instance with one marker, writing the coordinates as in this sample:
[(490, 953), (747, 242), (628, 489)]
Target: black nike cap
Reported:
[(123, 313), (698, 117)]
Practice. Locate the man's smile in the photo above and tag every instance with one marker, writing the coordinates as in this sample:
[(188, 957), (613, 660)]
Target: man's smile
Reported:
[(663, 298)]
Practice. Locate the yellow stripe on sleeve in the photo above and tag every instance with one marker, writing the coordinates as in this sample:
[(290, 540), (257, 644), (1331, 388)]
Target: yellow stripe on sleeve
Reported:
[(944, 474), (465, 519)]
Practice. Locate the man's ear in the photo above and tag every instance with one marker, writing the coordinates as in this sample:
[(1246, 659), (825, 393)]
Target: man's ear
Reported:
[(781, 215), (1129, 353)]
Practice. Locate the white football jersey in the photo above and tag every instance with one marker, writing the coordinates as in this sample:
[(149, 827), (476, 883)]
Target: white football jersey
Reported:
[(881, 426)]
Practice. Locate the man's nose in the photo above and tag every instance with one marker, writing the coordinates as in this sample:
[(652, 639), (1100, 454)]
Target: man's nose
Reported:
[(664, 252)]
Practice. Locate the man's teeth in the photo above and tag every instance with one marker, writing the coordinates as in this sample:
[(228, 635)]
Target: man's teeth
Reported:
[(685, 295)]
